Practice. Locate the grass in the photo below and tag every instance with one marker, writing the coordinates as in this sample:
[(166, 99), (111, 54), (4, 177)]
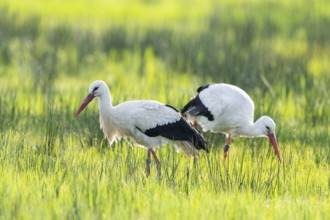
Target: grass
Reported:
[(53, 167)]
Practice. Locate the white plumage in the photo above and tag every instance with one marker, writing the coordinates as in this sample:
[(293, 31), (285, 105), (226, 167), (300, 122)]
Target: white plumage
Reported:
[(149, 124), (128, 119), (228, 109)]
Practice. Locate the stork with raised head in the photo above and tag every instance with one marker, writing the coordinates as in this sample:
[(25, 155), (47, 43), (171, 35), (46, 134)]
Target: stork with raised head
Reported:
[(228, 109), (149, 124)]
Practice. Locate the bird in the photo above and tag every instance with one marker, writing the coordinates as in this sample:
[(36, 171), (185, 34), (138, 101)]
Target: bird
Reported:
[(225, 108), (150, 124)]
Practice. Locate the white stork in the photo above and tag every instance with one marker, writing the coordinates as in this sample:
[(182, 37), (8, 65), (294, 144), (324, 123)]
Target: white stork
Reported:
[(149, 123), (228, 109)]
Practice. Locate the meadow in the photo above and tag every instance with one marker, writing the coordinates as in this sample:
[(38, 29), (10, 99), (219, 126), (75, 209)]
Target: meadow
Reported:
[(54, 167)]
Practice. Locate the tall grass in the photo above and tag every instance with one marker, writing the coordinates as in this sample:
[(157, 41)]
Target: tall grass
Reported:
[(52, 166)]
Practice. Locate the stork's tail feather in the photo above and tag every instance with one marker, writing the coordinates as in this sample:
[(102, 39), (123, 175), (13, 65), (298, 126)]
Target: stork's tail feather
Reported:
[(198, 140), (187, 148), (193, 144)]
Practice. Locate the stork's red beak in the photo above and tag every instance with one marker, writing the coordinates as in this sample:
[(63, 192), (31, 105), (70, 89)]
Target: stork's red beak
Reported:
[(273, 141), (88, 99)]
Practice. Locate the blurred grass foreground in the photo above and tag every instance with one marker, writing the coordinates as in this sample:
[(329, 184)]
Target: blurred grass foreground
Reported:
[(54, 167)]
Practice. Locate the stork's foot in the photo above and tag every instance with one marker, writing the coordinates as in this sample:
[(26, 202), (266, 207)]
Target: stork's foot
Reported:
[(148, 167), (225, 152)]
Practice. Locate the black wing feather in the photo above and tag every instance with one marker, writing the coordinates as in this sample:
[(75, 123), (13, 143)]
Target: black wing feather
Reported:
[(201, 88), (196, 107), (179, 131)]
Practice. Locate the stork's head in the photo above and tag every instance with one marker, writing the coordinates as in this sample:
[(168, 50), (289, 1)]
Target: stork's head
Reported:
[(267, 126), (96, 89)]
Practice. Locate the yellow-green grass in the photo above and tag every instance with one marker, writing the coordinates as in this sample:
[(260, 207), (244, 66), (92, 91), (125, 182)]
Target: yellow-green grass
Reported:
[(54, 167)]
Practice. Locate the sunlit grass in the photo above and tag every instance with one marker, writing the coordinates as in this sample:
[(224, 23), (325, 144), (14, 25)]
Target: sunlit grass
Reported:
[(110, 182), (54, 167), (67, 165)]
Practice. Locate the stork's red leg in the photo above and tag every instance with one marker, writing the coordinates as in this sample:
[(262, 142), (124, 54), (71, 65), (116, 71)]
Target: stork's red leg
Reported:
[(226, 149), (156, 160), (148, 163)]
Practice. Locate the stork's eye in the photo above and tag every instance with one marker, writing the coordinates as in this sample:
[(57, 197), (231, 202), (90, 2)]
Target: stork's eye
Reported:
[(96, 88), (268, 129)]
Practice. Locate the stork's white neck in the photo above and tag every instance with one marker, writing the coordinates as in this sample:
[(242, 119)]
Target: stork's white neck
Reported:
[(105, 104), (107, 117), (252, 129)]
